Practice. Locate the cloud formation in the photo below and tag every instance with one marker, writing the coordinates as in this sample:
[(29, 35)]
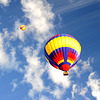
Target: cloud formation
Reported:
[(80, 91), (7, 60), (17, 33), (43, 98), (94, 84), (58, 92), (57, 77), (34, 71), (40, 16), (5, 2), (82, 66), (71, 5), (14, 84)]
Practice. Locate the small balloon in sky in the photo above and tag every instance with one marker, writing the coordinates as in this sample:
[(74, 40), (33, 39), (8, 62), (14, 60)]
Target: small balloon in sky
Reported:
[(22, 27)]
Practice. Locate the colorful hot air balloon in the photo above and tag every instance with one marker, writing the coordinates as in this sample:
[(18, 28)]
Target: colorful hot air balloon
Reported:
[(22, 27), (62, 51)]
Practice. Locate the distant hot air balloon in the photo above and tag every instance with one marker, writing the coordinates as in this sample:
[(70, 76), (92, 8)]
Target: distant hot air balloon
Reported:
[(22, 27), (62, 51)]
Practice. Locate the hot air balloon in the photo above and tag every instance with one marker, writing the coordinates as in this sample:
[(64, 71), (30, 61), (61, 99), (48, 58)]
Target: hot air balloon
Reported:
[(22, 27), (62, 51)]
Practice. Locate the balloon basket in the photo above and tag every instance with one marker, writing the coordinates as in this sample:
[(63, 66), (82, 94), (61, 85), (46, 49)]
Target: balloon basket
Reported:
[(65, 73)]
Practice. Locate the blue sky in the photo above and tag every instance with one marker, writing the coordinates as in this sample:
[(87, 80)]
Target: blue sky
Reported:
[(24, 71)]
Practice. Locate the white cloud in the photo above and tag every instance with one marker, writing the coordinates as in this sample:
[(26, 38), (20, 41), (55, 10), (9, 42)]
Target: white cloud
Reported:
[(79, 90), (34, 71), (5, 2), (94, 84), (18, 33), (82, 67), (4, 58), (43, 98), (12, 60), (83, 92), (14, 84), (68, 99), (71, 1), (57, 76), (73, 5), (74, 90), (40, 18), (5, 32), (7, 60), (65, 81), (58, 92)]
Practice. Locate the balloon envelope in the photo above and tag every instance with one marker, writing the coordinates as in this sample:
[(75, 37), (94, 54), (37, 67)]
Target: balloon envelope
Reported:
[(62, 51), (22, 27)]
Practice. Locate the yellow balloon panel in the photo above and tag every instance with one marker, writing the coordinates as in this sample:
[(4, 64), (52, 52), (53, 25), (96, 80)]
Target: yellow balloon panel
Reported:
[(62, 42)]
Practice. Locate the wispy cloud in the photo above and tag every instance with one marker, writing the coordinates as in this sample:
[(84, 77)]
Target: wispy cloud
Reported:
[(43, 98), (72, 5), (3, 56), (71, 1), (79, 90), (82, 66), (74, 90), (94, 84), (34, 71), (17, 33), (7, 60), (58, 92), (14, 84), (83, 92), (40, 16), (5, 2), (57, 77)]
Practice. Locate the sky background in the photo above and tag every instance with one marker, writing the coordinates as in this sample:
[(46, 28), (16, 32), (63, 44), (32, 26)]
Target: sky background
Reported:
[(24, 72)]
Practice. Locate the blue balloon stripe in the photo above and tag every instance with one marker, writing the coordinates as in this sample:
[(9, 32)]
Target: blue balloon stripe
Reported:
[(50, 59), (65, 53), (64, 63), (65, 50)]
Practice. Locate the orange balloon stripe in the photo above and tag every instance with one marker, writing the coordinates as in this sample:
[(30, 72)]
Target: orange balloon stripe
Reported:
[(72, 56), (58, 58)]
